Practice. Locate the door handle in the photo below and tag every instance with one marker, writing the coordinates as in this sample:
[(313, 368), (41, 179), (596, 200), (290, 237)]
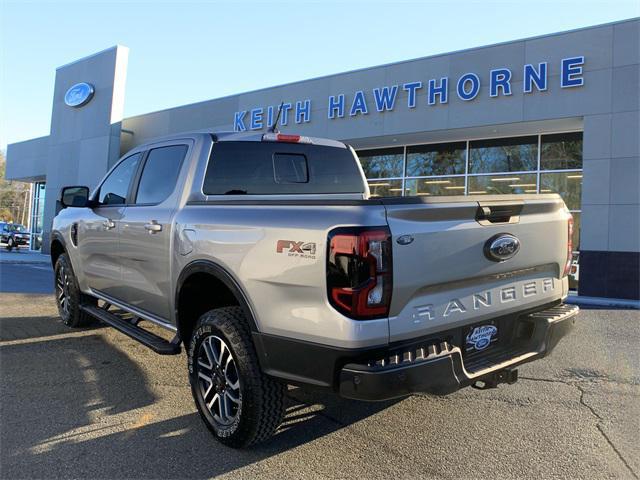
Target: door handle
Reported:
[(153, 227), (109, 224)]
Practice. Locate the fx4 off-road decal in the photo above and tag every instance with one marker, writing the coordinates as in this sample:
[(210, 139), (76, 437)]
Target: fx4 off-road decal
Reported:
[(297, 249)]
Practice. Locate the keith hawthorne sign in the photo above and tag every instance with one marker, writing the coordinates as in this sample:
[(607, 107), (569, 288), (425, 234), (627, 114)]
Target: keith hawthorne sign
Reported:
[(435, 91)]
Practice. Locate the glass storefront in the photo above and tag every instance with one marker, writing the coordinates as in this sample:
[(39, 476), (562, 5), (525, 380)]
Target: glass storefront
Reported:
[(383, 163), (502, 184), (516, 165), (435, 186), (37, 215), (436, 159), (518, 154)]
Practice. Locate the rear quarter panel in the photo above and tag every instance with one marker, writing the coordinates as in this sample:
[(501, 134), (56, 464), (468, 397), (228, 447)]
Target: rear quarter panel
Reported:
[(286, 289)]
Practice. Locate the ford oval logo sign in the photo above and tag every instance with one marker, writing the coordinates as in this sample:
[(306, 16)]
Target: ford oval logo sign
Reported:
[(501, 247), (78, 95)]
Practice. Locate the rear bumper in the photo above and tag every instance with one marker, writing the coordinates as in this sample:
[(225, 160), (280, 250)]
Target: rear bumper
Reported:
[(440, 369), (434, 364)]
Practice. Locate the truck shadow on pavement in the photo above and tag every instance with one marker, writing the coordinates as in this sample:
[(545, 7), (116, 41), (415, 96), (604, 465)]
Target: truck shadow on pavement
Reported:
[(21, 328), (68, 409)]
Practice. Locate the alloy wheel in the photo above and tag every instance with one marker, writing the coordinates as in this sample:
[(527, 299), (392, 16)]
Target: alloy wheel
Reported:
[(62, 290), (218, 380)]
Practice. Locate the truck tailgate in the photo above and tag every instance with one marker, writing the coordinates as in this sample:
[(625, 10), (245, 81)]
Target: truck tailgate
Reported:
[(442, 276)]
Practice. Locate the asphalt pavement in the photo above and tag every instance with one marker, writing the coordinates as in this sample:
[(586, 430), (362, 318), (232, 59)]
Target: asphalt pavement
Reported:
[(26, 278), (93, 403), (25, 271)]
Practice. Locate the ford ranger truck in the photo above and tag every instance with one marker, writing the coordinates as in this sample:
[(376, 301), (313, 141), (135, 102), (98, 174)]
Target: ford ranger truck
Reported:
[(266, 258)]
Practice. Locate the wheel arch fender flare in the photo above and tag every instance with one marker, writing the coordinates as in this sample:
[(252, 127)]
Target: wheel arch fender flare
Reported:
[(57, 237), (221, 274)]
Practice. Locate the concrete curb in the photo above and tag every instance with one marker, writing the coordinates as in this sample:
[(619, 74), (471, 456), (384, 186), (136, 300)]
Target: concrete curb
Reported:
[(603, 302)]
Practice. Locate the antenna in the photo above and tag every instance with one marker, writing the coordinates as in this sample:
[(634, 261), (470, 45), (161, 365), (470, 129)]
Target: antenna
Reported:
[(274, 128)]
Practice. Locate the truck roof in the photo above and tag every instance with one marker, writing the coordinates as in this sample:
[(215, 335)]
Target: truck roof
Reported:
[(255, 136)]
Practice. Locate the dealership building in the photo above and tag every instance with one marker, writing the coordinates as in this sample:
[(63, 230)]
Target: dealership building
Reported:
[(555, 113)]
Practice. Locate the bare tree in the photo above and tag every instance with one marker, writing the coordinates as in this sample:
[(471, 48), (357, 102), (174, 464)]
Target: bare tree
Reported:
[(14, 197)]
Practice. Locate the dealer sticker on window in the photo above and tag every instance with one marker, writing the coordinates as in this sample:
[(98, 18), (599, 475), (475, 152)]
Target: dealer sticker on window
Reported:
[(481, 337)]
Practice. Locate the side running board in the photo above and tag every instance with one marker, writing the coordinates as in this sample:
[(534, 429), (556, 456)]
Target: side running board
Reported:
[(130, 328)]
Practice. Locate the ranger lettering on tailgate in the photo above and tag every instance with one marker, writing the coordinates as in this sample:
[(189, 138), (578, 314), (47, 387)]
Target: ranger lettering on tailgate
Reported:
[(478, 301)]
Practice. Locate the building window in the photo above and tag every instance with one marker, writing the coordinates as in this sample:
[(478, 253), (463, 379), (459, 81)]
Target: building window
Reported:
[(382, 163), (435, 186), (517, 154), (385, 188), (37, 215), (567, 184), (502, 184), (561, 151), (437, 159), (576, 231), (550, 163)]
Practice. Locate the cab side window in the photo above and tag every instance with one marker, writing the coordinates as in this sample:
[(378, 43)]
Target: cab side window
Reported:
[(160, 174), (114, 189)]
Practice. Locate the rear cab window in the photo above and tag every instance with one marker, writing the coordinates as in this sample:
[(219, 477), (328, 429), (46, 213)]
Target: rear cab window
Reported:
[(277, 168), (290, 168)]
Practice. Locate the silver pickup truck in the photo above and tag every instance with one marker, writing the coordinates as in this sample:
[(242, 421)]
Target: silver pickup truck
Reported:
[(265, 256)]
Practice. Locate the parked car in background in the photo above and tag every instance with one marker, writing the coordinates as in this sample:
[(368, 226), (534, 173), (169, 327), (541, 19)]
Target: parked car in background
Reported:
[(13, 235)]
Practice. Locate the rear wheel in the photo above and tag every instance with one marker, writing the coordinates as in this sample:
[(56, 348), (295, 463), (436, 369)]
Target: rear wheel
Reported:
[(68, 295), (239, 404)]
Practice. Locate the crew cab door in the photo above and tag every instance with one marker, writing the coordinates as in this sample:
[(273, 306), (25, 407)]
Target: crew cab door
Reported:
[(98, 231), (146, 234)]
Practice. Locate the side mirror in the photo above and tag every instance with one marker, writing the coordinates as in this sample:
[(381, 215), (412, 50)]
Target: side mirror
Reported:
[(74, 197)]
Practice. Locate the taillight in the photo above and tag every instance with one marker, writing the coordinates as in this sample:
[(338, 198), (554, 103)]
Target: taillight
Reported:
[(567, 266), (359, 271)]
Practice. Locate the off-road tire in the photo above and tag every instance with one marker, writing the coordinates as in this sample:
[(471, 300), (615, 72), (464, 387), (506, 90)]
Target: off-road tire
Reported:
[(262, 398), (72, 316)]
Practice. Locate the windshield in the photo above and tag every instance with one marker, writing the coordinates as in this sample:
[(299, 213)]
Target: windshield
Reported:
[(17, 228)]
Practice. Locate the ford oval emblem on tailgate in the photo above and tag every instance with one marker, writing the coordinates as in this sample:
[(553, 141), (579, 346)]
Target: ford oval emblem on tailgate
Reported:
[(501, 247)]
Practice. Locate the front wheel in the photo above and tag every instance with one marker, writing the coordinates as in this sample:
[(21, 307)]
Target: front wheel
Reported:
[(239, 404), (68, 295), (10, 244)]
